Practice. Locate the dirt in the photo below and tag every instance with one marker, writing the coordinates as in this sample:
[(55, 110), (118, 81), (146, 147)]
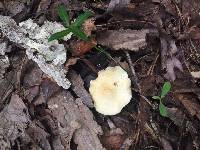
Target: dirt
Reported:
[(154, 41)]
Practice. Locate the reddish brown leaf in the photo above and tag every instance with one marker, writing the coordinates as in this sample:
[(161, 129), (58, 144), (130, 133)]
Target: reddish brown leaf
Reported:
[(113, 140), (82, 47)]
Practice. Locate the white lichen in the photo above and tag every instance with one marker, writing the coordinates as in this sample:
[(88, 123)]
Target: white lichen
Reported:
[(50, 56)]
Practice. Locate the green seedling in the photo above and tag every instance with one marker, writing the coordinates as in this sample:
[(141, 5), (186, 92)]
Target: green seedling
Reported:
[(71, 27), (165, 90), (75, 28)]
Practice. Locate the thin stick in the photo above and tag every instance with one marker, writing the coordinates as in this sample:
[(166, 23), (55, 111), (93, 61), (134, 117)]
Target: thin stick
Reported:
[(100, 49), (135, 78)]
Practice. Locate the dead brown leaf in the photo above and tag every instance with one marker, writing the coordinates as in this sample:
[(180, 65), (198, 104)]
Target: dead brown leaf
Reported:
[(33, 76), (194, 32), (166, 144), (79, 48), (113, 139), (79, 89), (191, 9), (71, 62), (190, 103), (39, 135), (123, 39), (14, 119), (89, 26), (169, 6), (32, 92), (74, 118)]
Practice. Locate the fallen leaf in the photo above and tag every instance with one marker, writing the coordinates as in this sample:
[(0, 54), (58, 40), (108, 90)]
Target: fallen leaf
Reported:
[(191, 9), (89, 26), (49, 88), (169, 58), (166, 144), (14, 6), (81, 47), (189, 102), (14, 119), (123, 39), (70, 62), (79, 89), (113, 139), (75, 121), (172, 63), (33, 76), (117, 5), (169, 6), (39, 135), (194, 33), (32, 93)]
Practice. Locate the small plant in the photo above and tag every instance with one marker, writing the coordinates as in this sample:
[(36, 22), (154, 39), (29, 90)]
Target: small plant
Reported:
[(165, 90), (74, 27)]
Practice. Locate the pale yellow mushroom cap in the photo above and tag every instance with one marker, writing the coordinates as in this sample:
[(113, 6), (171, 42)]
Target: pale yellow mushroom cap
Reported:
[(111, 91)]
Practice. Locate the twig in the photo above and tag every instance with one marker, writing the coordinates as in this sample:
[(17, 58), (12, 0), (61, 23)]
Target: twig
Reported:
[(135, 78), (100, 49), (126, 21), (150, 71)]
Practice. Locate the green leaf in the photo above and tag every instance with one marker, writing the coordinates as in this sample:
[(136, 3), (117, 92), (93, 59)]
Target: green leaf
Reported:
[(59, 35), (81, 18), (156, 98), (64, 16), (163, 110), (166, 88), (78, 33)]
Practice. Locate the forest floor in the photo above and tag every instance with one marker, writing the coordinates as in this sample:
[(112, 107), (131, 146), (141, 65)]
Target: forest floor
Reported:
[(154, 41)]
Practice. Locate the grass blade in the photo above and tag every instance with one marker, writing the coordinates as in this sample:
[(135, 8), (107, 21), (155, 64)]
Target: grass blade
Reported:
[(63, 14), (59, 35)]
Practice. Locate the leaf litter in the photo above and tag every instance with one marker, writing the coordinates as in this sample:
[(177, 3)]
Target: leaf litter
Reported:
[(161, 37)]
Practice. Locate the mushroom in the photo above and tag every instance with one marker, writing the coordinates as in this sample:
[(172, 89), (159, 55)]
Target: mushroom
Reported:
[(111, 91)]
